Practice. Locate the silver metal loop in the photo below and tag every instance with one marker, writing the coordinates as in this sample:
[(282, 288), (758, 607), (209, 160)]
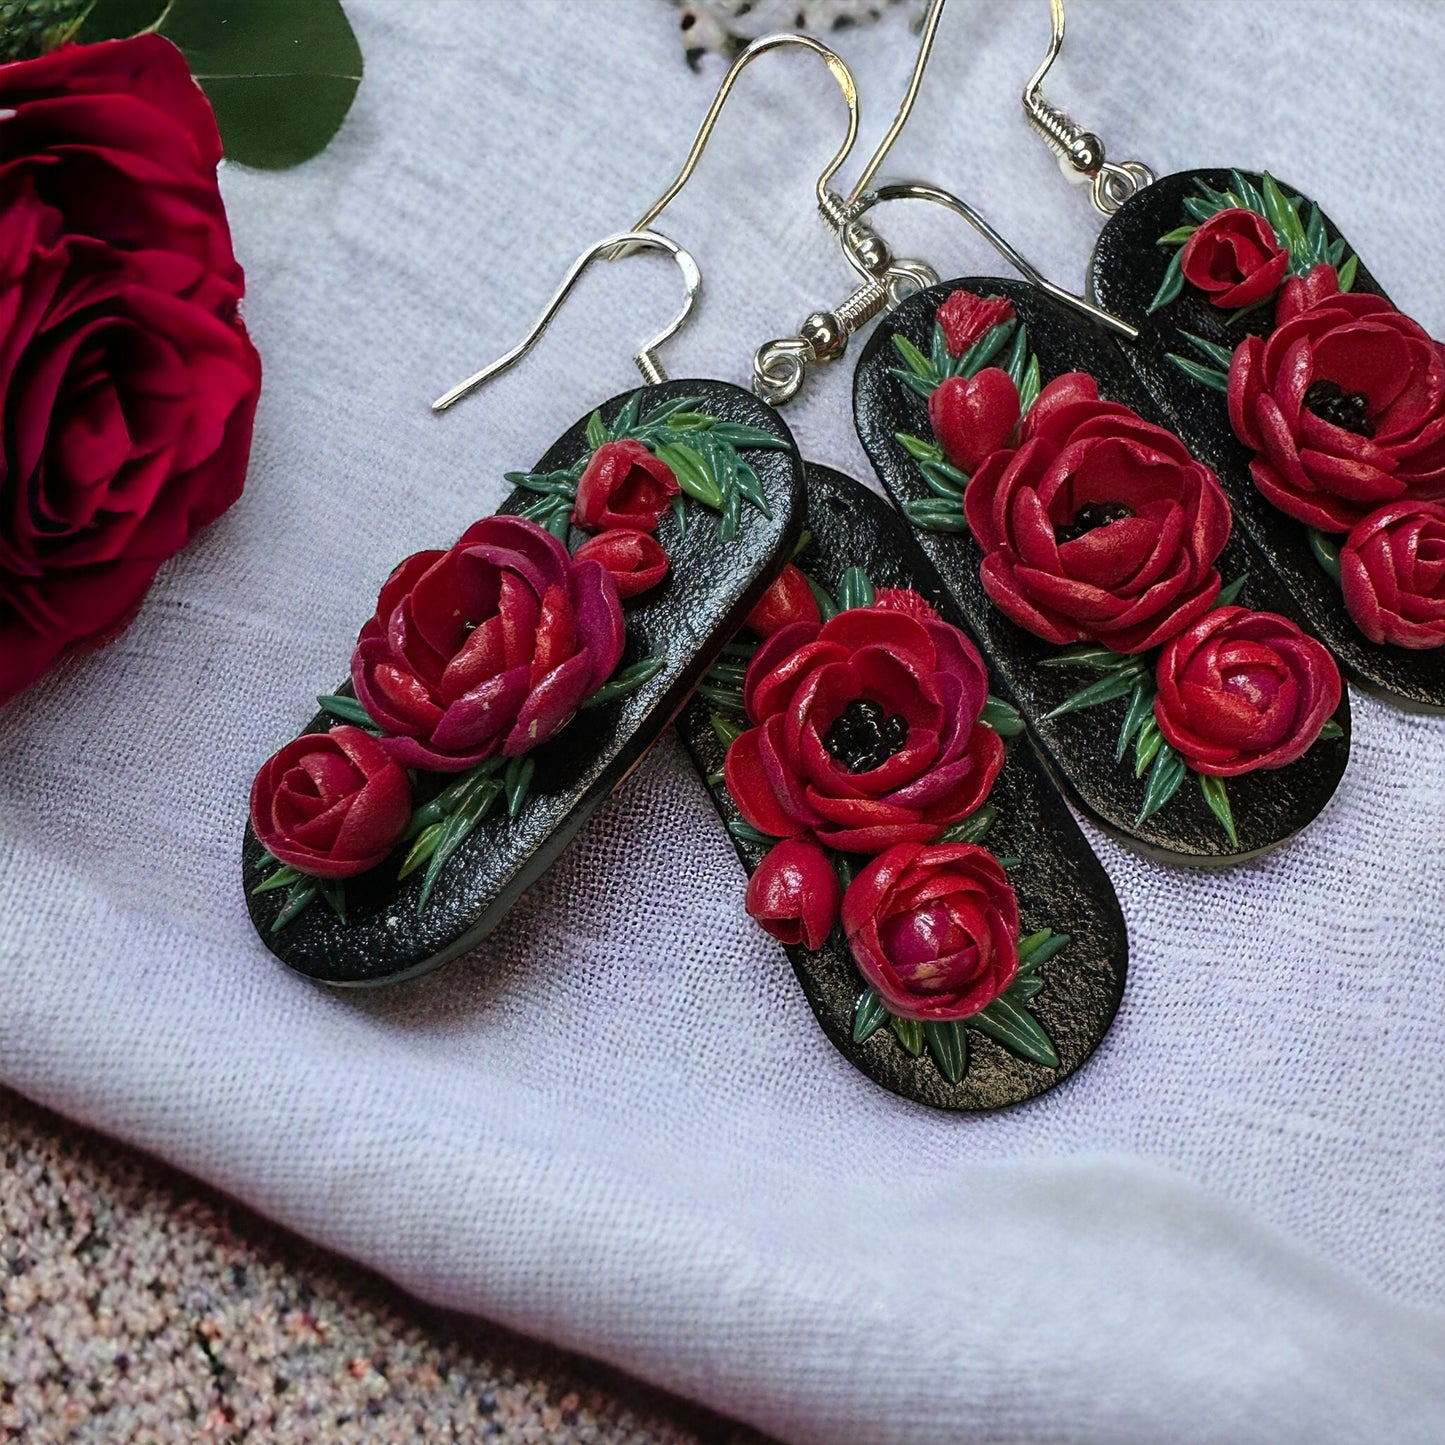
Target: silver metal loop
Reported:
[(1115, 184), (609, 248), (920, 191), (779, 367)]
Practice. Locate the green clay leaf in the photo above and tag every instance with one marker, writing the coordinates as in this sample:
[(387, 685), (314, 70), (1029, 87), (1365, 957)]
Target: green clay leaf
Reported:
[(869, 1016), (300, 897), (422, 849), (939, 358), (333, 890), (1171, 284), (1021, 990), (692, 473), (1003, 717), (626, 418), (1033, 383), (625, 683), (1177, 237), (1283, 215), (679, 514), (983, 351), (1164, 780), (854, 590), (735, 434), (944, 480), (1229, 593), (728, 672), (283, 877), (1016, 1029), (949, 1049), (745, 833), (455, 831), (1038, 948), (1326, 551), (913, 382), (915, 360), (348, 709), (1347, 272), (917, 448), (1247, 192), (1093, 656), (280, 77), (936, 514), (1141, 708), (1202, 209), (1330, 732), (973, 829), (1217, 796), (827, 607), (1209, 376), (727, 733), (1018, 357), (515, 782), (1221, 356), (596, 431), (1146, 746), (908, 1033), (732, 509), (1105, 689)]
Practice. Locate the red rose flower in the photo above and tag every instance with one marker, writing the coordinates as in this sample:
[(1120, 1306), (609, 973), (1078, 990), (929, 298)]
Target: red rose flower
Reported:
[(1235, 258), (906, 601), (624, 486), (788, 600), (1099, 526), (127, 383), (331, 804), (487, 648), (1343, 404), (1242, 690), (934, 930), (965, 317), (794, 893), (635, 559), (1392, 572), (866, 731), (973, 417)]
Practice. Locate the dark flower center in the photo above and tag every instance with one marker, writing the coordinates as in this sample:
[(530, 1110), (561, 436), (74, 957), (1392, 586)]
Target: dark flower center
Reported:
[(1348, 410), (1094, 514), (863, 738)]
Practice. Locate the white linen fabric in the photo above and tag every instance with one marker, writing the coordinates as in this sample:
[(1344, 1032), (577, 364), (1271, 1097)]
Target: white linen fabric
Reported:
[(616, 1124)]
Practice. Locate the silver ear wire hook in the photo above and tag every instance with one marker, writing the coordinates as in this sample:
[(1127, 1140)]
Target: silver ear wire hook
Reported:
[(921, 191), (1078, 149), (609, 247)]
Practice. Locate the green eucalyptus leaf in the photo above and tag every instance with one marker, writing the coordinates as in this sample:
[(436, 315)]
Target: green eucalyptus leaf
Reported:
[(973, 828), (456, 830), (727, 672), (1200, 208), (908, 1033), (1003, 717), (559, 520), (1017, 1029), (854, 590), (949, 1049), (1217, 796), (1171, 284), (280, 76), (1164, 780), (1283, 215), (869, 1016)]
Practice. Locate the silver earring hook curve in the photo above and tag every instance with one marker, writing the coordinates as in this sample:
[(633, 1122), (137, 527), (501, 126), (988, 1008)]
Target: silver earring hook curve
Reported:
[(608, 248)]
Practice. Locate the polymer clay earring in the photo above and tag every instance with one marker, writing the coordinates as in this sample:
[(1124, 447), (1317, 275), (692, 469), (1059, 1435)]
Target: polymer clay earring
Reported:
[(1280, 361), (1174, 699), (506, 684)]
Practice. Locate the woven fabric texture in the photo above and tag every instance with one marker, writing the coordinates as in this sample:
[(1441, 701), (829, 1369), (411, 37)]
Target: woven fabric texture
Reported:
[(616, 1125)]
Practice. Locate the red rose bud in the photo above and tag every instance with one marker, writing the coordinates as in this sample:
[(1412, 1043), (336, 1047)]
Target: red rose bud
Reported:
[(934, 930), (487, 648), (634, 559), (788, 600), (127, 383), (1343, 404), (624, 486), (794, 893), (973, 417), (866, 731), (965, 317), (1235, 258), (331, 804), (1099, 525), (1242, 690), (1392, 572)]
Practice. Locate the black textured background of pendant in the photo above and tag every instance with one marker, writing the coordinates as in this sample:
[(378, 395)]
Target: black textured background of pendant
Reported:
[(1127, 268), (1269, 807), (1060, 884), (712, 586)]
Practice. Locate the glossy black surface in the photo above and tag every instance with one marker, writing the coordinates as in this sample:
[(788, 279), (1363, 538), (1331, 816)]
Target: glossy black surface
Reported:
[(686, 620), (1127, 268), (1059, 882), (1269, 806)]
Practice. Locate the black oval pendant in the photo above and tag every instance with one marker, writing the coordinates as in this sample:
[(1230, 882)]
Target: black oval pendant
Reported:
[(1075, 954), (1183, 356), (1099, 754), (725, 541)]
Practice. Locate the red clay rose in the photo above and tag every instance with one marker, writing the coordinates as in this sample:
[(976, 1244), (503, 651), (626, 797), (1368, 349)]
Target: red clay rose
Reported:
[(788, 600), (331, 804), (487, 648), (794, 893), (973, 417), (127, 384), (965, 317), (635, 559), (1235, 258), (934, 930), (1343, 404), (1392, 572), (1099, 526), (1242, 690), (624, 486), (866, 731)]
